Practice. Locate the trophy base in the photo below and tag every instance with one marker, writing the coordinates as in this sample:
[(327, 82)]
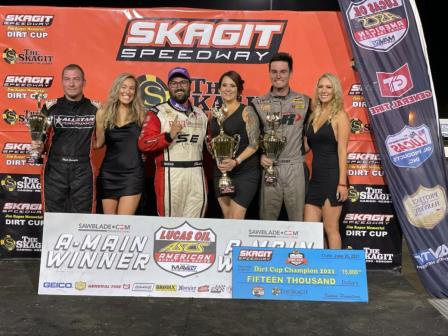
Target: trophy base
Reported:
[(270, 180), (35, 160), (227, 191)]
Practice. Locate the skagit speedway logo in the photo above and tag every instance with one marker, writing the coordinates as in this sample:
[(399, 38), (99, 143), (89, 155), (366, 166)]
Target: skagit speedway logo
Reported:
[(201, 40), (377, 24), (184, 250)]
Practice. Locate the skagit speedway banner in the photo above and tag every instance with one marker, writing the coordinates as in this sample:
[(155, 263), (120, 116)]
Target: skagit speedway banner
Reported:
[(154, 256), (37, 42), (388, 45)]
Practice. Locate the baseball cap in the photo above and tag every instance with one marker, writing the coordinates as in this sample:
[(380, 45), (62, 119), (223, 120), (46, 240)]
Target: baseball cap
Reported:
[(178, 71)]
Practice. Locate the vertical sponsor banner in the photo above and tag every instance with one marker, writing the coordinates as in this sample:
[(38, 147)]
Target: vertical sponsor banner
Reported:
[(84, 254), (402, 109)]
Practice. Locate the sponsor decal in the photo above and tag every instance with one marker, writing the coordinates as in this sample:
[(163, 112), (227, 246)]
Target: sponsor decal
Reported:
[(57, 285), (23, 81), (367, 219), (8, 243), (184, 250), (22, 208), (24, 93), (204, 289), (10, 116), (410, 147), (32, 20), (401, 102), (217, 289), (166, 288), (377, 25), (20, 184), (187, 289), (273, 233), (431, 256), (296, 258), (426, 207), (368, 194), (358, 127), (82, 121), (258, 291), (364, 164), (27, 56), (255, 255), (104, 227), (395, 84), (375, 256), (355, 90), (153, 90), (201, 40), (127, 286), (16, 148), (104, 286), (80, 285)]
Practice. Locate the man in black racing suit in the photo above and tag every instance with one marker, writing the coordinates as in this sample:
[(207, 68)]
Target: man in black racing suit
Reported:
[(68, 182)]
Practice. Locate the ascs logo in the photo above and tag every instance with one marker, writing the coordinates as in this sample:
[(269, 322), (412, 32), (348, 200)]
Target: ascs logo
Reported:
[(395, 84)]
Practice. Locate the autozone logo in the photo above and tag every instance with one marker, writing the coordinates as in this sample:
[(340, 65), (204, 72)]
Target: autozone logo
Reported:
[(28, 20), (197, 40), (28, 81), (395, 84)]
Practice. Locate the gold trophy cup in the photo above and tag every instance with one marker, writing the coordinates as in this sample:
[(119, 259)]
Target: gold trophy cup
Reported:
[(38, 125), (223, 147), (271, 143)]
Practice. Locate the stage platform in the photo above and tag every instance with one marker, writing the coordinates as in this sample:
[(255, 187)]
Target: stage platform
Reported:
[(397, 306)]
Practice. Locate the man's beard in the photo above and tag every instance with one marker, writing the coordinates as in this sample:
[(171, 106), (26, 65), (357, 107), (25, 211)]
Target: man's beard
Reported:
[(181, 100)]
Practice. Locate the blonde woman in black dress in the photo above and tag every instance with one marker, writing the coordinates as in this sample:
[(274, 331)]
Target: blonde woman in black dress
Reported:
[(327, 135), (118, 126)]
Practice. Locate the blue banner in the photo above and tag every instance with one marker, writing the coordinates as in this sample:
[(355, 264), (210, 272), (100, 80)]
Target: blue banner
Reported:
[(303, 275), (388, 48)]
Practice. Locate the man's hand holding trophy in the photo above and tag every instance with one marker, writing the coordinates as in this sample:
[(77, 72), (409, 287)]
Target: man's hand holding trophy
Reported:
[(271, 143), (223, 148)]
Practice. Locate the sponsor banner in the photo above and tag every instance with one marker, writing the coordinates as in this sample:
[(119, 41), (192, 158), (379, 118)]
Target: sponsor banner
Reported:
[(13, 120), (401, 103), (155, 256), (15, 148), (364, 164), (299, 274)]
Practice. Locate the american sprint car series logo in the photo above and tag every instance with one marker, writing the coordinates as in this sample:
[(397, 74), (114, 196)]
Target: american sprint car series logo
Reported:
[(201, 40), (410, 147), (184, 250), (378, 24)]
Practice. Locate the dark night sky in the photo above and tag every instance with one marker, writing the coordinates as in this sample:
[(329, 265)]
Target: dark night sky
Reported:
[(430, 13)]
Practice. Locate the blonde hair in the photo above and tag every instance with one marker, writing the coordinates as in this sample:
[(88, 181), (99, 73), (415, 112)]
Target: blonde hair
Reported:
[(336, 104), (111, 108)]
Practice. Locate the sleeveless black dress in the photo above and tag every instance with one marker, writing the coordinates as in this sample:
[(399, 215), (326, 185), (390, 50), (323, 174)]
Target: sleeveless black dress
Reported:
[(122, 172), (246, 176), (325, 167)]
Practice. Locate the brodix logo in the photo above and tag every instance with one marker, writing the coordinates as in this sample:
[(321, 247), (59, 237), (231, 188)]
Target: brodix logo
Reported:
[(201, 40)]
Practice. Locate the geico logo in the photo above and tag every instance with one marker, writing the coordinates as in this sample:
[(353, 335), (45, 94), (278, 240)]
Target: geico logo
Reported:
[(364, 156), (17, 146), (409, 144), (27, 19), (202, 34), (368, 217), (44, 81), (22, 206), (58, 285), (194, 247)]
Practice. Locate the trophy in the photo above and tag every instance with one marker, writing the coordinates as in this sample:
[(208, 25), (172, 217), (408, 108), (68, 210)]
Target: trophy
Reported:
[(223, 147), (272, 144), (38, 125)]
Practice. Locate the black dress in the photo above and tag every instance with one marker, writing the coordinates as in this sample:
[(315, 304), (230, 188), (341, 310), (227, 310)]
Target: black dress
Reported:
[(122, 171), (246, 176), (325, 167)]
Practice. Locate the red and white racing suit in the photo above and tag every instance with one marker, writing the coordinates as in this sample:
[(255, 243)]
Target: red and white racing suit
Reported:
[(180, 183)]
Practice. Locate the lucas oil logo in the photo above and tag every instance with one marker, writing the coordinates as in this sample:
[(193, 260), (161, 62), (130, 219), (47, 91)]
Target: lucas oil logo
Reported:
[(377, 24), (201, 40), (410, 147), (184, 250)]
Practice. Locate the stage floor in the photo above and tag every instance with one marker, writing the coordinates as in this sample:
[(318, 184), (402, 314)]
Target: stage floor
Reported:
[(396, 307)]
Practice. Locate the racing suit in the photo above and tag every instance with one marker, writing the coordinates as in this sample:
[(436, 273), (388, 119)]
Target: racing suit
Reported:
[(180, 183), (290, 166), (68, 172)]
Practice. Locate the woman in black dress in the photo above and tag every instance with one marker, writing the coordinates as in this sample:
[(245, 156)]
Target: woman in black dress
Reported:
[(327, 135), (244, 169), (118, 125)]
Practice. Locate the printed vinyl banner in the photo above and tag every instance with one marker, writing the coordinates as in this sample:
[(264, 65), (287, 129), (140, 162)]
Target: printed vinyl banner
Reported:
[(102, 255), (401, 103), (37, 42)]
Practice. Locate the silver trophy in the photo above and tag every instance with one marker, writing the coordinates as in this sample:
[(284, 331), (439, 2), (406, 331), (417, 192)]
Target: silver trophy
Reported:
[(271, 143), (38, 125), (223, 147)]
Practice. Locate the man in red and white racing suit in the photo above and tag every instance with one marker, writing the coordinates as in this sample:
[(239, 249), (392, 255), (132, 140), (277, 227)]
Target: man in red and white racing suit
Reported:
[(175, 131)]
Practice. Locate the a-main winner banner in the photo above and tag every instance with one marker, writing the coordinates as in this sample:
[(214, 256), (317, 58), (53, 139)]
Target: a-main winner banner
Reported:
[(105, 255)]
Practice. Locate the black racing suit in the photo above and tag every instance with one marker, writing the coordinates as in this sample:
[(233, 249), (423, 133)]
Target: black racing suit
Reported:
[(68, 171)]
